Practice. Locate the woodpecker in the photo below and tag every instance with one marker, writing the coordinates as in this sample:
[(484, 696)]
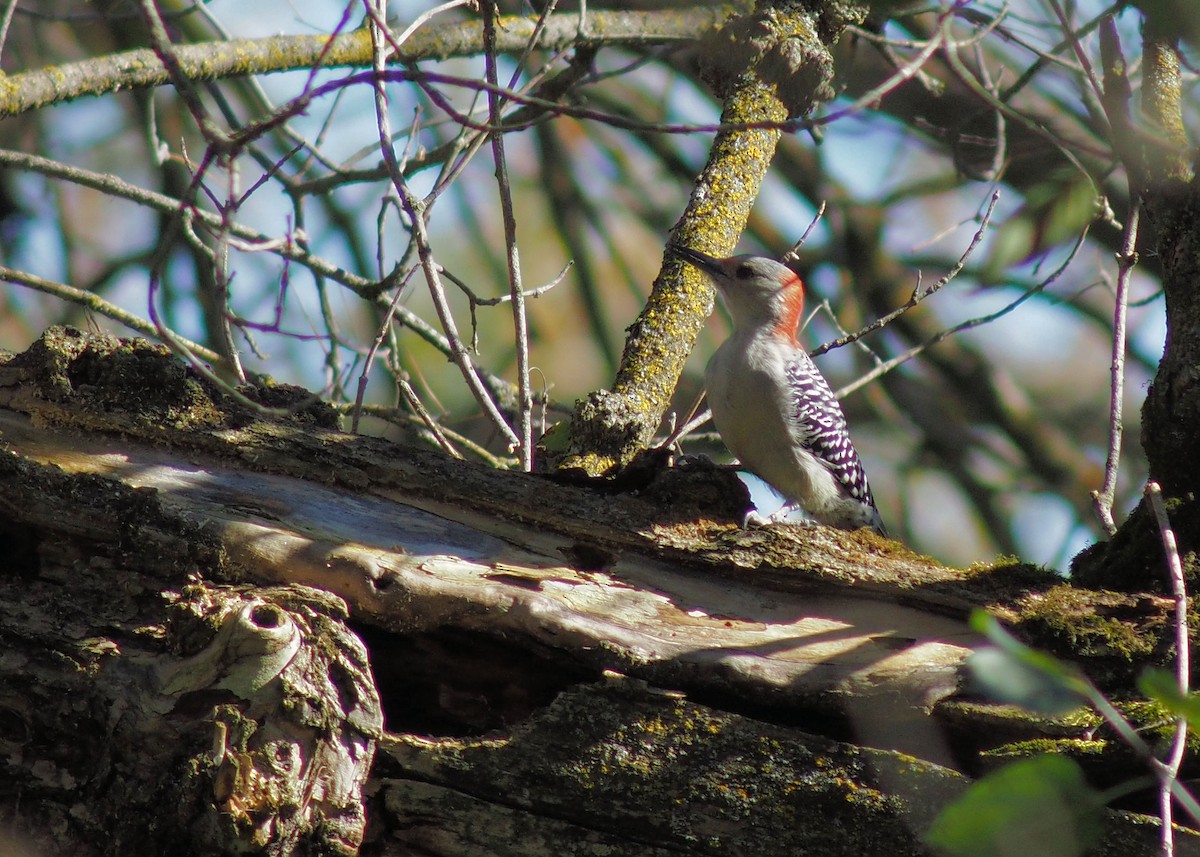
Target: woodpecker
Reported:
[(770, 402)]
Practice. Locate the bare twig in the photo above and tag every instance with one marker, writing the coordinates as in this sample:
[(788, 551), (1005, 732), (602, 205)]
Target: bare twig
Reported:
[(1126, 259), (695, 418), (1072, 38), (9, 9), (793, 254), (222, 276), (1167, 771), (160, 41), (1115, 98), (913, 67), (116, 187), (500, 299), (181, 348), (1070, 152), (423, 18), (513, 256), (417, 211), (489, 39), (384, 326), (97, 304), (399, 417), (435, 429), (918, 295), (899, 359), (907, 71)]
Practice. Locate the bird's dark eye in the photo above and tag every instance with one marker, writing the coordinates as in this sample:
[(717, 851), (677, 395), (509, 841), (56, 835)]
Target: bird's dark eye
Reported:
[(744, 272)]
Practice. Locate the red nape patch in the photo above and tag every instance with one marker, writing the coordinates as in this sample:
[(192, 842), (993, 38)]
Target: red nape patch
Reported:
[(791, 307)]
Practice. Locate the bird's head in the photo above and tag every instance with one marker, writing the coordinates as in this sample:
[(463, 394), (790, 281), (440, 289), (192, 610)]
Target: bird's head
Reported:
[(760, 292)]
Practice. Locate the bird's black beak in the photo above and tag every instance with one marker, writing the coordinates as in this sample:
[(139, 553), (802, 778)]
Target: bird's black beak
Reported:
[(706, 263)]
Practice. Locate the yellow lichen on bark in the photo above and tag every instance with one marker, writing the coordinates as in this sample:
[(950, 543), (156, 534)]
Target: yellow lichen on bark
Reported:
[(1162, 99), (784, 70)]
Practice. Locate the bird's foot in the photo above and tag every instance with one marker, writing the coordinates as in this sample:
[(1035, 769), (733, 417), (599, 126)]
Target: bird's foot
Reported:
[(753, 519)]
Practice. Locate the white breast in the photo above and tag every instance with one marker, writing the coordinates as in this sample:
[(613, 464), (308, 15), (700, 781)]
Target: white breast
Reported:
[(752, 409)]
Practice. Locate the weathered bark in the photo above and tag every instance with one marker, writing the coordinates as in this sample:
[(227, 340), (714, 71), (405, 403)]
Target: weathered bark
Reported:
[(557, 669), (141, 708)]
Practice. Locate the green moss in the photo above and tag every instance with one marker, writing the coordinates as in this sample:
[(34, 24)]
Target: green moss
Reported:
[(729, 783), (999, 562), (1072, 747), (1064, 621)]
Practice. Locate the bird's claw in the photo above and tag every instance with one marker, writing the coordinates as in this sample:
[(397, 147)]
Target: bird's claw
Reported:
[(753, 519)]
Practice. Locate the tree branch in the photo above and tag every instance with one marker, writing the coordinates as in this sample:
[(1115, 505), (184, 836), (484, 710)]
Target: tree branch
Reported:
[(220, 60)]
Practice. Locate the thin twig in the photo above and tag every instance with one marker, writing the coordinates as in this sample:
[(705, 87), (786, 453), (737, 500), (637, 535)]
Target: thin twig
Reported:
[(1076, 45), (439, 435), (417, 211), (918, 295), (500, 299), (220, 149), (1134, 740), (1080, 685), (97, 304), (9, 9), (907, 71), (425, 16), (694, 420), (384, 326), (1167, 771), (116, 187), (889, 365), (539, 28), (160, 42), (1126, 259), (793, 254), (398, 416), (222, 276), (182, 349), (513, 256), (1067, 150), (913, 67)]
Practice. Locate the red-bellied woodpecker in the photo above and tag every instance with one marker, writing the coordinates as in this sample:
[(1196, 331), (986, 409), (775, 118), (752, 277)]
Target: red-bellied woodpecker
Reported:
[(771, 404)]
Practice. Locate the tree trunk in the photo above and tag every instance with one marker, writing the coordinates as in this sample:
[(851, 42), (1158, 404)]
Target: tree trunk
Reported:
[(227, 632)]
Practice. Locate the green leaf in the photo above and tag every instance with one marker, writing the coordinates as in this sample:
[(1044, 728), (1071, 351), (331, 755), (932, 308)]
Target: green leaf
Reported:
[(1041, 806), (1004, 678), (1161, 686), (1055, 211), (1009, 671)]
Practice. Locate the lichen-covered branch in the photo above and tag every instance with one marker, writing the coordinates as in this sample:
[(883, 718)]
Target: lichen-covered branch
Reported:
[(768, 67), (218, 60)]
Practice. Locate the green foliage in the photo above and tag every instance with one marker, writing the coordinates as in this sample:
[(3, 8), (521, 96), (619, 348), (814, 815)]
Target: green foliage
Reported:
[(1040, 806), (1163, 687), (1009, 671), (1053, 213), (1043, 805)]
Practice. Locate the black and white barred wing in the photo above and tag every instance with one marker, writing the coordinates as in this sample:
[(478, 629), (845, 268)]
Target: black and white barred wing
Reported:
[(820, 427)]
